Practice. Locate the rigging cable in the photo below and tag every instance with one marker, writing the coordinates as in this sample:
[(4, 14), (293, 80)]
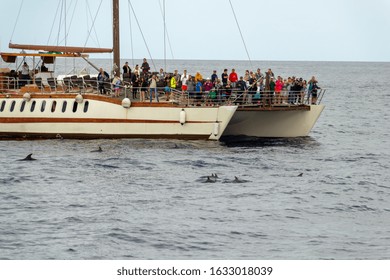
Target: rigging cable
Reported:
[(59, 24), (17, 19), (165, 31), (143, 37), (93, 23), (239, 29), (65, 13), (131, 37), (52, 26), (165, 27), (51, 32), (71, 19)]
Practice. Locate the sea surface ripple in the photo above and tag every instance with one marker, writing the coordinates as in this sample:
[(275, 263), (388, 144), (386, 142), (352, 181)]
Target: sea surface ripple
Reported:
[(151, 199)]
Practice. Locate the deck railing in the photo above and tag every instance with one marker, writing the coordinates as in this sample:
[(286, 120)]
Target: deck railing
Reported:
[(214, 97)]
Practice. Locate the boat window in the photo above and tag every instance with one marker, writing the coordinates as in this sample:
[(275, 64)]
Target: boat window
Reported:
[(75, 106), (53, 106), (2, 106), (12, 106), (22, 106), (64, 106), (43, 105), (33, 106), (86, 104)]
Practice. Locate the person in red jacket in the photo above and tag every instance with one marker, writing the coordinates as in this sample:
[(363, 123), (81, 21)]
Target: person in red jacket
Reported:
[(278, 89), (233, 78)]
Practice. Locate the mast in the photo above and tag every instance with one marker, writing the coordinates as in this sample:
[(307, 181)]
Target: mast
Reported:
[(115, 26), (165, 48)]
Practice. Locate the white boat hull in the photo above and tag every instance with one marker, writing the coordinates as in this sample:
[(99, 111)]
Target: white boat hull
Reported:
[(105, 119), (273, 123)]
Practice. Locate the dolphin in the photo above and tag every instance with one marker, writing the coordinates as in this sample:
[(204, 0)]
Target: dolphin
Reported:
[(300, 175), (237, 180), (209, 180), (98, 150), (29, 157)]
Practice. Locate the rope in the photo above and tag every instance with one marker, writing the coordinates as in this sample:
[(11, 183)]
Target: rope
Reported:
[(239, 29), (17, 19), (143, 37)]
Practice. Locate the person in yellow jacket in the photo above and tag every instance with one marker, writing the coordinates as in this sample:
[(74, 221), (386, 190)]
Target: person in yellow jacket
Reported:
[(198, 77), (173, 82)]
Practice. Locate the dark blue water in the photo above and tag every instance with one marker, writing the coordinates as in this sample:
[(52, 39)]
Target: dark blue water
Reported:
[(149, 199)]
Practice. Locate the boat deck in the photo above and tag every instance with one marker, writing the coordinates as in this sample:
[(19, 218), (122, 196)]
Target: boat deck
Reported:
[(291, 101)]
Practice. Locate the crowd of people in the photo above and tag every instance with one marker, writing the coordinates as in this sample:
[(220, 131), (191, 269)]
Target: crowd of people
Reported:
[(265, 88), (252, 86)]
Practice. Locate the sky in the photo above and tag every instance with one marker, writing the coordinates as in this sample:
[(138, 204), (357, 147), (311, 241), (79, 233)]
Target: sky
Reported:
[(281, 30)]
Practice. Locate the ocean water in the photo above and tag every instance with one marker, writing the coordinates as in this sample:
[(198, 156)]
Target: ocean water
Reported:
[(149, 199)]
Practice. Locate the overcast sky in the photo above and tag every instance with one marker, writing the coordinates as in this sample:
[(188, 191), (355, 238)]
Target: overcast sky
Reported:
[(322, 30)]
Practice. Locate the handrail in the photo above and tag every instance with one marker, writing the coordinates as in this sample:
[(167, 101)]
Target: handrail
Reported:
[(214, 97), (10, 82), (320, 94)]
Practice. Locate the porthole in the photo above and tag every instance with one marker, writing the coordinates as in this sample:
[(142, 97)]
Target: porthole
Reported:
[(22, 105), (86, 104), (64, 106), (33, 106), (53, 106), (11, 109), (2, 106), (75, 104), (43, 105)]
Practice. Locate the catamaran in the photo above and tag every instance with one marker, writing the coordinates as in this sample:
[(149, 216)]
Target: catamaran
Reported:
[(73, 107)]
